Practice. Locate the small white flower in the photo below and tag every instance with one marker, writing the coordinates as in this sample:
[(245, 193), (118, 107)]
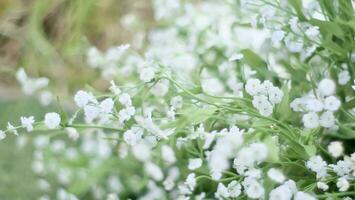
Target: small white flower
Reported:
[(82, 98), (191, 181), (275, 95), (253, 189), (331, 103), (280, 193), (259, 101), (336, 149), (194, 163), (326, 87), (168, 155), (277, 37), (91, 113), (27, 122), (154, 171), (314, 105), (125, 99), (323, 186), (318, 165), (106, 105), (52, 120), (312, 31), (234, 189), (276, 175), (176, 102), (304, 196), (11, 128), (2, 135), (146, 74), (310, 120), (114, 88), (343, 184), (327, 119), (253, 86), (343, 77), (298, 105), (133, 136), (222, 192)]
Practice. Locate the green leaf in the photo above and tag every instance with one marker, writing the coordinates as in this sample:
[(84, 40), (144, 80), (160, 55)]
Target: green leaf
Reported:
[(256, 63), (328, 27), (273, 148), (297, 5)]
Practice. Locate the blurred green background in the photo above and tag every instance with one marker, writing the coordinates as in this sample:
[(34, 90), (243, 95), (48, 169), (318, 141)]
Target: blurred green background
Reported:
[(49, 38)]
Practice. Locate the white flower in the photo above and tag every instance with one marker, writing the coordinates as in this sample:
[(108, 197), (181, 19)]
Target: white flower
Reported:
[(91, 113), (82, 98), (133, 136), (146, 74), (126, 113), (253, 86), (194, 163), (310, 120), (168, 184), (280, 193), (176, 102), (323, 186), (106, 105), (304, 196), (259, 151), (277, 37), (114, 88), (327, 119), (221, 192), (312, 31), (318, 165), (45, 98), (343, 184), (168, 155), (191, 181), (253, 188), (266, 109), (2, 135), (11, 128), (290, 184), (259, 101), (154, 171), (72, 133), (293, 44), (125, 99), (314, 105), (326, 87), (52, 120), (343, 167), (343, 77), (331, 103), (336, 149), (276, 175), (27, 122), (275, 95), (298, 105), (234, 189)]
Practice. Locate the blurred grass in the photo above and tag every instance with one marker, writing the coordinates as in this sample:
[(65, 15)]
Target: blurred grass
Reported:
[(50, 37), (17, 181)]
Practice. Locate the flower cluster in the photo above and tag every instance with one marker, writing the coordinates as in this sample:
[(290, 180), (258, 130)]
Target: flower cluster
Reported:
[(319, 108), (190, 118)]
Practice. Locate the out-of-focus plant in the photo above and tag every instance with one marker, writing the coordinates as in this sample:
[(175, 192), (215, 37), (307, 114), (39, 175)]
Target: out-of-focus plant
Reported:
[(221, 99)]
